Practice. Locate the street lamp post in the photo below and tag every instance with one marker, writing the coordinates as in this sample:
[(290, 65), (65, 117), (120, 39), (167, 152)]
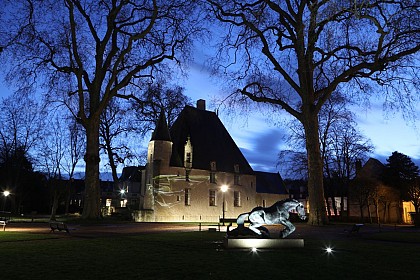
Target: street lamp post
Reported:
[(224, 189), (6, 194)]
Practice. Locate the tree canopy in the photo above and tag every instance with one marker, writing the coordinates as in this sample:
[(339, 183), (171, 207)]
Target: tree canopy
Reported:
[(87, 52), (294, 55)]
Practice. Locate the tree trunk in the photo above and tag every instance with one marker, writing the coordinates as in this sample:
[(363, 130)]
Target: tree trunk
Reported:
[(362, 218), (91, 204), (377, 212), (54, 204), (67, 197), (386, 209), (112, 163), (334, 206), (317, 211)]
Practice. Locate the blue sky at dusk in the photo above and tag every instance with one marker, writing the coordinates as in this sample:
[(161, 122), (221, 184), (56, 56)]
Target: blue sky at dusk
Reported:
[(260, 140)]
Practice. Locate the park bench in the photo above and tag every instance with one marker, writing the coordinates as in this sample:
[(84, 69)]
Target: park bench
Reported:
[(222, 222), (60, 226), (228, 221), (209, 226), (3, 223), (4, 219)]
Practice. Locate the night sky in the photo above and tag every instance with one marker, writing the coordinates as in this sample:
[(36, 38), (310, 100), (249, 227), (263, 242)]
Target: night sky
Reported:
[(261, 140)]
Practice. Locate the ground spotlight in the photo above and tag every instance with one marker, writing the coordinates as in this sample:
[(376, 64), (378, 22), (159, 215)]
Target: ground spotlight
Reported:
[(328, 250)]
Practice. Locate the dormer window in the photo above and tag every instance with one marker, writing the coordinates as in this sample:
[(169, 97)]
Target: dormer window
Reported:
[(236, 168), (213, 172), (212, 165), (213, 177), (188, 154), (236, 180)]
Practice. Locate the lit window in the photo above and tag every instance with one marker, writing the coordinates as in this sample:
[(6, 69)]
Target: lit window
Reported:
[(237, 198), (187, 197), (123, 203), (212, 198), (188, 154), (108, 202)]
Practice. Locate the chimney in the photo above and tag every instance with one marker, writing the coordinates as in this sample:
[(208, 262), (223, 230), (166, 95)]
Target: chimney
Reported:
[(201, 104)]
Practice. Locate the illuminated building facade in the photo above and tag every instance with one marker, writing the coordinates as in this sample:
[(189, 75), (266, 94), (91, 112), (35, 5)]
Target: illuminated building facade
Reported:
[(188, 164)]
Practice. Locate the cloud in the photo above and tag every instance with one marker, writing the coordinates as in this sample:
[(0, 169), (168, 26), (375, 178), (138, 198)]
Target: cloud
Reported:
[(262, 154)]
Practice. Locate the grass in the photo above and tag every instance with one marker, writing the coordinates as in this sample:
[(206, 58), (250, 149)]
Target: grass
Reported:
[(200, 255)]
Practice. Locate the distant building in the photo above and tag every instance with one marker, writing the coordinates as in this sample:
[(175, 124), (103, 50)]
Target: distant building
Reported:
[(371, 199), (187, 167)]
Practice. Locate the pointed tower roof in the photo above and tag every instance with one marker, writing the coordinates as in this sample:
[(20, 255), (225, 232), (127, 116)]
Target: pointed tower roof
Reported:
[(161, 130)]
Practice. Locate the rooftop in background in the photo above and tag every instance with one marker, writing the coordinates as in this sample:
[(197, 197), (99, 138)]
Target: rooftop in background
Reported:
[(270, 183)]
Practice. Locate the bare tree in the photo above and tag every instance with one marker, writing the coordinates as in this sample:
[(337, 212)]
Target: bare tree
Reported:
[(362, 191), (60, 150), (21, 121), (294, 55), (341, 146), (157, 98), (115, 126), (73, 154), (139, 117), (50, 157), (97, 50), (413, 194)]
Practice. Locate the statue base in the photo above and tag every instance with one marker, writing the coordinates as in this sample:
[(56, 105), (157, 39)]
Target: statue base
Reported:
[(258, 243)]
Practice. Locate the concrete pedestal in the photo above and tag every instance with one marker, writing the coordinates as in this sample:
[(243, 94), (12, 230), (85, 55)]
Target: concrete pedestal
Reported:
[(249, 243)]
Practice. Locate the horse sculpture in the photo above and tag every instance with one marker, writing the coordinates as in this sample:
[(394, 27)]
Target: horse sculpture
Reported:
[(278, 213)]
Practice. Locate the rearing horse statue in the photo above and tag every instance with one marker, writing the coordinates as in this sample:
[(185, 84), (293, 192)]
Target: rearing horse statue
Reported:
[(278, 213)]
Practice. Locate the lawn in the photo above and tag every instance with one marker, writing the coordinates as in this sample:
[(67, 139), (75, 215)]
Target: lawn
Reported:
[(200, 255)]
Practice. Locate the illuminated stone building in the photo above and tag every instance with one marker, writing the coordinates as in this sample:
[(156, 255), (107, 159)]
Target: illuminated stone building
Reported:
[(188, 164), (371, 199)]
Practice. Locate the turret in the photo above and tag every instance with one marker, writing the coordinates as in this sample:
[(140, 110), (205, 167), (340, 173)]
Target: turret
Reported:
[(158, 158), (160, 147)]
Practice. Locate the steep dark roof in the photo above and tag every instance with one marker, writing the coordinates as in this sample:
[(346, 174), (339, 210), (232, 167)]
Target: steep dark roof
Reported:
[(373, 168), (270, 183), (210, 141), (161, 131), (131, 174)]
